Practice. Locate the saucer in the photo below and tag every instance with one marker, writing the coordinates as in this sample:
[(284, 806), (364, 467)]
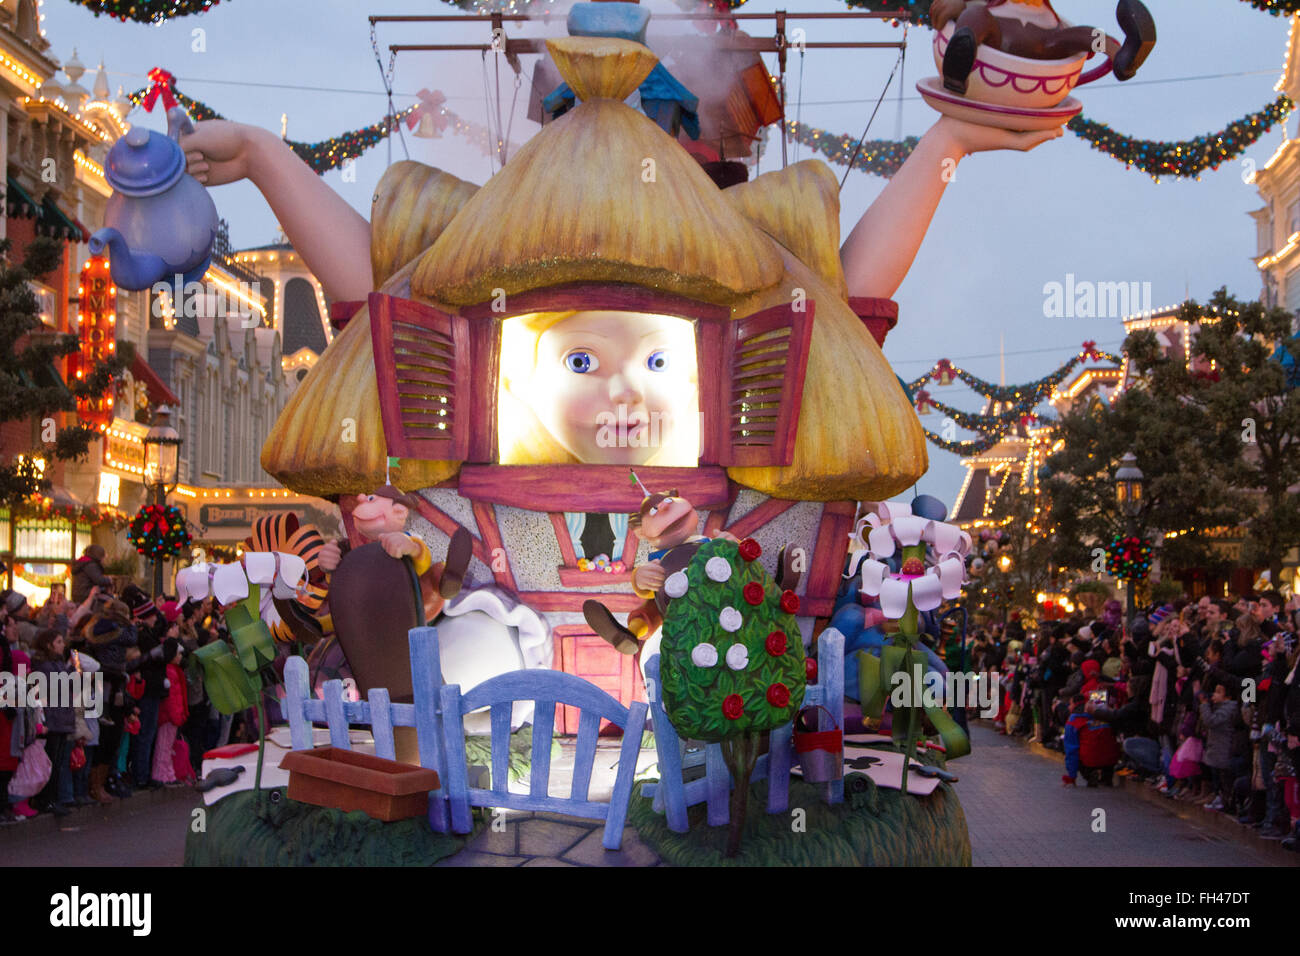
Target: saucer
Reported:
[(1020, 119)]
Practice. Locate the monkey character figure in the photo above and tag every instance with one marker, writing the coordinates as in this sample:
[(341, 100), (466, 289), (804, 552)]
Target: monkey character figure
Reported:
[(1032, 29), (381, 516)]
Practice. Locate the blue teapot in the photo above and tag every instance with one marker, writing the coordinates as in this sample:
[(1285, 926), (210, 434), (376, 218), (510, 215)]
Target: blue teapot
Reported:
[(160, 221)]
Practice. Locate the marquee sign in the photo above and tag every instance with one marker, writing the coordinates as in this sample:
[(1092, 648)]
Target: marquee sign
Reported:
[(96, 327)]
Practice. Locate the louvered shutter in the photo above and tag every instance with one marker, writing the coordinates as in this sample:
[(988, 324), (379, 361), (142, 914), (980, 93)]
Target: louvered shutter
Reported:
[(422, 369), (767, 356)]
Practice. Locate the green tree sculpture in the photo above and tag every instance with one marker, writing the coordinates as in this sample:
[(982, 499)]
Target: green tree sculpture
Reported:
[(732, 661)]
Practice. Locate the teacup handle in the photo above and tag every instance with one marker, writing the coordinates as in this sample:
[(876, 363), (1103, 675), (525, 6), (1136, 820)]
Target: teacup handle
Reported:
[(1097, 72)]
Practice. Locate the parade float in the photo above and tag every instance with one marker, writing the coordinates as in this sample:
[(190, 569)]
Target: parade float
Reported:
[(602, 330)]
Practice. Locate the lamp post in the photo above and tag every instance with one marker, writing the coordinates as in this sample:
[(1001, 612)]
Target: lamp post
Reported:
[(1129, 495), (161, 455)]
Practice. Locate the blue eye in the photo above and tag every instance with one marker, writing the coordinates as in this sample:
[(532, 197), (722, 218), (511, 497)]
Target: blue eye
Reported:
[(658, 360), (581, 362)]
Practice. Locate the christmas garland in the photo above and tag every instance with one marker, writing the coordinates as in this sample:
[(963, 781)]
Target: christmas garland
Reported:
[(331, 153), (943, 372), (1187, 158), (1129, 558), (159, 531), (147, 11)]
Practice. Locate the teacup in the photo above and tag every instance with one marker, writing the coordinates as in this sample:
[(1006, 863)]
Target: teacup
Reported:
[(1003, 79)]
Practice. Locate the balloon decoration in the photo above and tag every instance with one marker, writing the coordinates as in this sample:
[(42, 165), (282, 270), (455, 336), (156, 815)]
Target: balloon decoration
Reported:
[(1129, 557), (159, 531), (333, 152), (147, 11)]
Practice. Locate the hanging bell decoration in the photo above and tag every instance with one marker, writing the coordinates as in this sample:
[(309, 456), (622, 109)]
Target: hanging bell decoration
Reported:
[(426, 129)]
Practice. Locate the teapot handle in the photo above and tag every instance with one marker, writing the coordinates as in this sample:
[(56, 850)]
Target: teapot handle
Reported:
[(179, 122)]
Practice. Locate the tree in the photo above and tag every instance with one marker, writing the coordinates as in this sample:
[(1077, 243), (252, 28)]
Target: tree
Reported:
[(1243, 383), (26, 354), (1186, 460), (732, 661), (1029, 550)]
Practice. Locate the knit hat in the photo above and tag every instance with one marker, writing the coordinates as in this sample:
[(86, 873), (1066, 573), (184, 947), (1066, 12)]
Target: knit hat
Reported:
[(170, 610), (139, 602), (1160, 613)]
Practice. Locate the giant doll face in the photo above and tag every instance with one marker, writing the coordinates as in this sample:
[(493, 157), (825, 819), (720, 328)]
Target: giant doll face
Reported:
[(619, 388)]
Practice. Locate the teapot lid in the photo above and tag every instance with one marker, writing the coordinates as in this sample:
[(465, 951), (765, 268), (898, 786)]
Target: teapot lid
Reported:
[(144, 162)]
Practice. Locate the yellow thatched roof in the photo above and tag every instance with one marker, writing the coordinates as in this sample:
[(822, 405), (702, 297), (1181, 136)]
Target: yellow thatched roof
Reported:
[(602, 195), (413, 204), (799, 206)]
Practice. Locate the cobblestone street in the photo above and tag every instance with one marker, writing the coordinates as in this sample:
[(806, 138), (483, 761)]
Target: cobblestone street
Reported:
[(1017, 811), (1019, 815)]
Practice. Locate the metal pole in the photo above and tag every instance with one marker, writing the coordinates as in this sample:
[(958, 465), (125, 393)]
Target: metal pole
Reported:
[(1131, 609), (159, 496)]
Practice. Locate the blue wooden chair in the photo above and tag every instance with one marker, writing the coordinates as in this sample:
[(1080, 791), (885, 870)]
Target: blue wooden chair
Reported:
[(378, 713), (672, 795), (547, 689)]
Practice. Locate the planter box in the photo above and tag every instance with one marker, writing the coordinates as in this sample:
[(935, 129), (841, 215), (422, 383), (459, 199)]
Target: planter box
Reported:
[(346, 780)]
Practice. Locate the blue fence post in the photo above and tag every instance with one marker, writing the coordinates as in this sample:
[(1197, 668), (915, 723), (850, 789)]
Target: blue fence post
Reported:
[(670, 798), (296, 694), (830, 674), (719, 786), (381, 723), (426, 681), (334, 716)]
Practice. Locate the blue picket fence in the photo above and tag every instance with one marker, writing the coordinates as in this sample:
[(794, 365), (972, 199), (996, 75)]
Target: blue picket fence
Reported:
[(547, 689), (437, 713), (672, 795), (378, 713)]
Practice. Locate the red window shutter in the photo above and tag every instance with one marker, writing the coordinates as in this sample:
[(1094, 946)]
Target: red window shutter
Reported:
[(422, 369), (767, 356)]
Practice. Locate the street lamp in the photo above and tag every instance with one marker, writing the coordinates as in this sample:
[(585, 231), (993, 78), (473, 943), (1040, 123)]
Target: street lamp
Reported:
[(1128, 493), (161, 454)]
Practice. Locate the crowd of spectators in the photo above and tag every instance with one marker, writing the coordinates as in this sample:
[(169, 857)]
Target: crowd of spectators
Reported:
[(153, 722), (1200, 700)]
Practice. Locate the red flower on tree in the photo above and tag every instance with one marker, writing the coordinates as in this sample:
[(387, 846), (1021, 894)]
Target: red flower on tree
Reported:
[(776, 643), (810, 669), (753, 593), (733, 707), (750, 549), (778, 695), (790, 602)]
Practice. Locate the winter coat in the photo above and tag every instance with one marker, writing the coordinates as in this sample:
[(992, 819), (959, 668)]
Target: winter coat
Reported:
[(175, 706), (1088, 742), (8, 762), (108, 645), (1220, 723), (58, 720), (86, 574)]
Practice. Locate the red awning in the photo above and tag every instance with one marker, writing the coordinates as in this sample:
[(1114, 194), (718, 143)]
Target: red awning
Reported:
[(159, 393)]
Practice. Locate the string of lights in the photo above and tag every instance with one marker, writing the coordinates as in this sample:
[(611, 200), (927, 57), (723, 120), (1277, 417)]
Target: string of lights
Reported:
[(146, 11), (333, 152)]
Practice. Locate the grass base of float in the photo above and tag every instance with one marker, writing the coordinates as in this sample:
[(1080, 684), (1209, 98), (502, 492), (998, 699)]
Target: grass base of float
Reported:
[(266, 828), (873, 827)]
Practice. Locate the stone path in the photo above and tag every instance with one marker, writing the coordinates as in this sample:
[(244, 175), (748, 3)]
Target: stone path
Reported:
[(1019, 814), (548, 839)]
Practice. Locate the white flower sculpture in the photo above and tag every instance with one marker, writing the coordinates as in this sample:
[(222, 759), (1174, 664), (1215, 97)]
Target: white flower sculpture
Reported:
[(891, 524), (229, 583)]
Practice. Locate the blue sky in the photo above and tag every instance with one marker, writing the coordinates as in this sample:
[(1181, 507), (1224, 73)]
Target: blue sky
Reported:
[(1009, 224)]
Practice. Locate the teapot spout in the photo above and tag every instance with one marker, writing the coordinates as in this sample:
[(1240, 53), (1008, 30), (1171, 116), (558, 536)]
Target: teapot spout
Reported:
[(130, 270)]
